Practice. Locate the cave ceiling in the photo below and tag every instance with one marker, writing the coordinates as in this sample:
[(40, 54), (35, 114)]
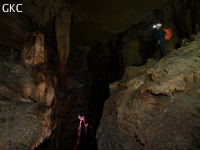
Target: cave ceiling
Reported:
[(108, 17), (95, 20)]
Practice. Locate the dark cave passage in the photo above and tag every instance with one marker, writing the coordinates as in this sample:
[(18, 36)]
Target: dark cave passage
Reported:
[(103, 62)]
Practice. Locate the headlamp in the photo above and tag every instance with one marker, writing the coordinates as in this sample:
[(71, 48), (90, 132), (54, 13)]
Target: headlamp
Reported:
[(157, 25)]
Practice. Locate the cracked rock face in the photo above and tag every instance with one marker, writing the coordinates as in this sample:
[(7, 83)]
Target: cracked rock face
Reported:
[(155, 106)]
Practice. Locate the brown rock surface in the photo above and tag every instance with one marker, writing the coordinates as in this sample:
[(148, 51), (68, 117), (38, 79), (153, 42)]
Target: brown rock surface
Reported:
[(33, 51), (155, 106), (23, 125), (25, 97)]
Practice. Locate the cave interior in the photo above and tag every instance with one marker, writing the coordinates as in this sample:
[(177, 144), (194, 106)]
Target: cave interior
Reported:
[(61, 58)]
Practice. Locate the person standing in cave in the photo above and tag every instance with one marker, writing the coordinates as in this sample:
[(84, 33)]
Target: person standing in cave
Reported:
[(161, 39)]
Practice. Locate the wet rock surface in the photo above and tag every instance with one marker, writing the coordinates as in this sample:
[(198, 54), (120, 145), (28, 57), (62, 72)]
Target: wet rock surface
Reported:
[(155, 106)]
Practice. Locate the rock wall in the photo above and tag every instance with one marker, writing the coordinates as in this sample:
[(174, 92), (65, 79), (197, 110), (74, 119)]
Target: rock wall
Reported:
[(29, 79), (26, 93), (155, 106), (139, 41), (35, 67)]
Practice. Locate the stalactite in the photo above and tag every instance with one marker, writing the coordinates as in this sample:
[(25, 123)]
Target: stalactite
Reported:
[(62, 27), (40, 12)]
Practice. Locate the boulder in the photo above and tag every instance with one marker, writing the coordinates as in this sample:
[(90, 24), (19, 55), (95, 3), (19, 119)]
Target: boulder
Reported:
[(155, 106)]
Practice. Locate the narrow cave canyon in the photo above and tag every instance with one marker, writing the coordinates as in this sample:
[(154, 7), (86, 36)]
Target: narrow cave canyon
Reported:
[(88, 75)]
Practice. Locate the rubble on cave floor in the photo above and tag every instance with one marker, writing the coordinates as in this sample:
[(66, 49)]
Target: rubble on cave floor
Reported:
[(155, 106)]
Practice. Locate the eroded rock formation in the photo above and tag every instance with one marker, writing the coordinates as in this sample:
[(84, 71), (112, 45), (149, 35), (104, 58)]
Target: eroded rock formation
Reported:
[(62, 27), (26, 93), (123, 30), (155, 106)]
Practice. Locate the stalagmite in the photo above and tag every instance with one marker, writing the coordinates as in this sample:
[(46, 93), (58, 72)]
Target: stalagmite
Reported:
[(62, 27)]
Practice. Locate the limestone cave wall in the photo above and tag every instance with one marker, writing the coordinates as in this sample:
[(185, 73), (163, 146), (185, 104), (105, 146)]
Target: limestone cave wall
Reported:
[(155, 106), (58, 60), (139, 41)]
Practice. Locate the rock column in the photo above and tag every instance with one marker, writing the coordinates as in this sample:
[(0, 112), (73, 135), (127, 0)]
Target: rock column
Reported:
[(62, 27)]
